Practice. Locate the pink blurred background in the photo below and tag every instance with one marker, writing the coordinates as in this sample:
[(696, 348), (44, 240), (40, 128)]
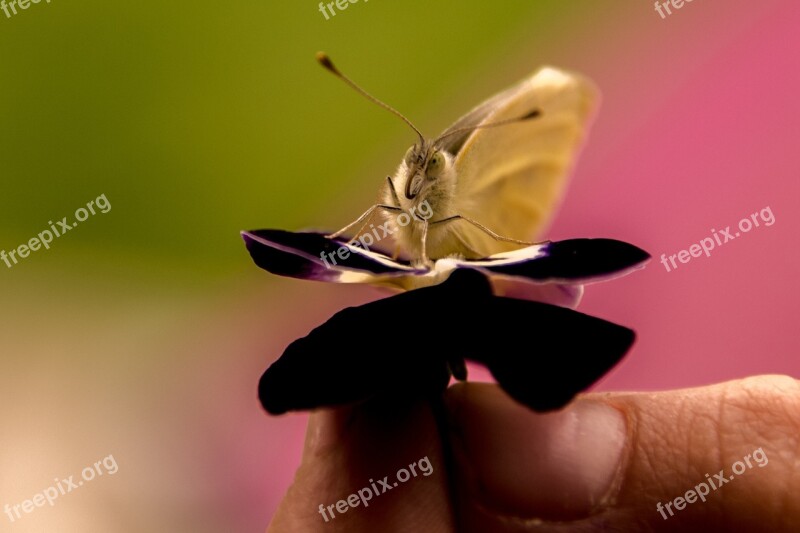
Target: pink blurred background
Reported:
[(698, 128)]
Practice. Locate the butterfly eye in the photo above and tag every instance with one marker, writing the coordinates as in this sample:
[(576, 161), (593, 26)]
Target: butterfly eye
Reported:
[(435, 165)]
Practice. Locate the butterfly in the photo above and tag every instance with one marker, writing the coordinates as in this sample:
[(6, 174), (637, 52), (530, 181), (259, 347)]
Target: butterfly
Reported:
[(494, 177), (472, 194)]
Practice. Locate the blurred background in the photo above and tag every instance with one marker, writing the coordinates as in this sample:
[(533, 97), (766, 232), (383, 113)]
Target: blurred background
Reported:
[(143, 331)]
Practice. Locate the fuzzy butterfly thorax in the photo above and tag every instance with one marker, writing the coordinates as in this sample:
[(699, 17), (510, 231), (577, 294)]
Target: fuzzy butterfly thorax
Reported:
[(431, 199)]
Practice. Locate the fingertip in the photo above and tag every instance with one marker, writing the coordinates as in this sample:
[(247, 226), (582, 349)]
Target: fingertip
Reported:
[(559, 465)]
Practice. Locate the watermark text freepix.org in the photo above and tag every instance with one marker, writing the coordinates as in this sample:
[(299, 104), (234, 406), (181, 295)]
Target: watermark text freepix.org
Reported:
[(61, 488), (662, 7), (423, 212), (383, 486), (10, 8), (719, 238), (702, 490), (56, 230), (340, 5)]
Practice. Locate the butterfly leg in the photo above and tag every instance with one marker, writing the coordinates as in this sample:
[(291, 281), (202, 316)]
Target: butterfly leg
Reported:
[(424, 253), (393, 190), (369, 211), (484, 229), (360, 219)]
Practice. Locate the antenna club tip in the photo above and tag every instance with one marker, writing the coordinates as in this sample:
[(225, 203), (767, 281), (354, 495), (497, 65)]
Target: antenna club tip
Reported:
[(326, 62)]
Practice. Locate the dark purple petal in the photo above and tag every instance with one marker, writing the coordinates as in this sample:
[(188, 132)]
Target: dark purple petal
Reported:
[(311, 255), (561, 294), (569, 261), (300, 255)]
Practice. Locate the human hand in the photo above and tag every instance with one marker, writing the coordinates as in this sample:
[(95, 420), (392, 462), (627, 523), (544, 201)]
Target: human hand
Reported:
[(608, 461)]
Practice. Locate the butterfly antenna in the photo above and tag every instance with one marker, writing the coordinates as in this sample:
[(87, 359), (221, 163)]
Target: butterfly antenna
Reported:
[(326, 62), (532, 114)]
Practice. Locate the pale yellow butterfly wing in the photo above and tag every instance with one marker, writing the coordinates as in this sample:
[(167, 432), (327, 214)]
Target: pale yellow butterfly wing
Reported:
[(511, 178)]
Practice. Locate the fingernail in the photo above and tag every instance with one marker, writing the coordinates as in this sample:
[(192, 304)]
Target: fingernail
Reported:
[(556, 466)]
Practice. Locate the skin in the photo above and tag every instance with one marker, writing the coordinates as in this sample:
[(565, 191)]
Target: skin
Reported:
[(602, 463)]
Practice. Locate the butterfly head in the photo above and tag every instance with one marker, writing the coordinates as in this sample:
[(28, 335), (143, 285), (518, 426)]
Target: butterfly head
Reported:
[(423, 167)]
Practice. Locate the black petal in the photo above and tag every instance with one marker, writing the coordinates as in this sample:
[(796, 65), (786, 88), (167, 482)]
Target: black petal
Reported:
[(298, 255), (573, 260), (567, 352), (542, 355), (391, 346)]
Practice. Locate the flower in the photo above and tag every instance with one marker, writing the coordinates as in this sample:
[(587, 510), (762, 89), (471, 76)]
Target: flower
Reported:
[(552, 272), (413, 343)]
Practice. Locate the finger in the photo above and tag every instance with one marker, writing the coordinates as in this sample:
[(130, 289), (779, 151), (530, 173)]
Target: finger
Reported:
[(615, 461), (377, 466)]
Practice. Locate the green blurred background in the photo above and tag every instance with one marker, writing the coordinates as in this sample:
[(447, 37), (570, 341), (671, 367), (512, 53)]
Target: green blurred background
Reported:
[(142, 332), (198, 120)]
